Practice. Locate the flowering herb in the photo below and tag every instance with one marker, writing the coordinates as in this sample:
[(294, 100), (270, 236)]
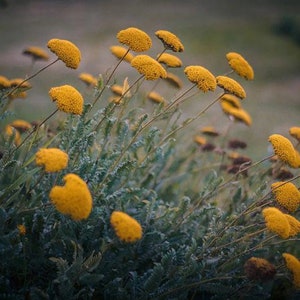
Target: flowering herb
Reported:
[(73, 199), (126, 228), (52, 159)]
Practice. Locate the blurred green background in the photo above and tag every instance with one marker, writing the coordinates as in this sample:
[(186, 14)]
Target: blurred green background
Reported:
[(266, 33)]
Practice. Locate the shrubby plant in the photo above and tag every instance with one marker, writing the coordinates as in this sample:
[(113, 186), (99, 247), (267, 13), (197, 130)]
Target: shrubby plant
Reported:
[(110, 204)]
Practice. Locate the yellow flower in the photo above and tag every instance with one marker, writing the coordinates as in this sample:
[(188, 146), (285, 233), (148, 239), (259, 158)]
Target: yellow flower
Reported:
[(148, 67), (287, 195), (276, 222), (22, 86), (4, 83), (204, 79), (11, 131), (52, 159), (170, 60), (295, 133), (285, 150), (231, 99), (155, 97), (238, 114), (136, 39), (293, 264), (36, 53), (209, 130), (117, 89), (294, 225), (238, 63), (73, 199), (231, 86), (67, 99), (120, 51), (259, 269), (22, 229), (170, 40), (126, 228), (21, 125), (200, 140), (66, 51), (88, 79), (174, 80)]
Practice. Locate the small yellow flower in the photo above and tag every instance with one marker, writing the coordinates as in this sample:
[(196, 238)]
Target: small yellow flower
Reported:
[(231, 86), (238, 63), (67, 99), (293, 264), (117, 89), (4, 83), (52, 159), (204, 79), (286, 194), (174, 80), (136, 39), (155, 97), (66, 51), (126, 228), (22, 85), (170, 40), (88, 79), (295, 133), (231, 99), (148, 67), (11, 131), (294, 225), (36, 53), (238, 114), (21, 125), (170, 60), (209, 130), (119, 52), (285, 150), (259, 269), (22, 229), (200, 140), (276, 222), (73, 199)]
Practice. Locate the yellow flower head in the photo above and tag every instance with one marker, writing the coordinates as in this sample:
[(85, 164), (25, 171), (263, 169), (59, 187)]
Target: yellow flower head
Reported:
[(4, 83), (36, 53), (67, 99), (73, 199), (259, 269), (174, 80), (117, 89), (126, 228), (238, 114), (170, 60), (66, 51), (88, 79), (136, 39), (205, 80), (11, 131), (170, 40), (238, 63), (22, 85), (233, 100), (200, 140), (293, 264), (148, 67), (294, 225), (52, 159), (295, 133), (209, 130), (22, 229), (155, 97), (21, 125), (287, 195), (277, 222), (231, 86), (119, 52), (285, 150)]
